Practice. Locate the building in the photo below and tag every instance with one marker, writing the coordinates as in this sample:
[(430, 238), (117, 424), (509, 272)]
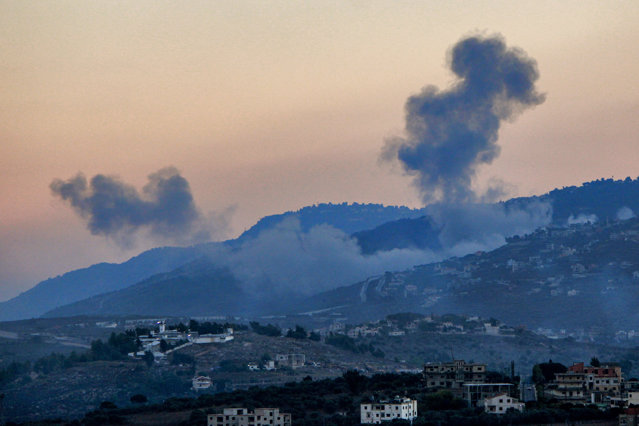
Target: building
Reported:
[(197, 338), (475, 393), (568, 387), (587, 385), (453, 375), (500, 404), (606, 379), (290, 360), (201, 382), (244, 417), (385, 411)]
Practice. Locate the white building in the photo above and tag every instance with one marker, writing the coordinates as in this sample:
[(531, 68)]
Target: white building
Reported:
[(377, 412), (201, 382), (501, 403), (244, 417), (213, 338)]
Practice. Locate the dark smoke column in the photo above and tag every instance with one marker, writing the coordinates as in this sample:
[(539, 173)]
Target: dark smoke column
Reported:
[(450, 133), (116, 209)]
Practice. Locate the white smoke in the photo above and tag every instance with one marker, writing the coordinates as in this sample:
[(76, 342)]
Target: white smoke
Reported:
[(285, 259), (625, 213), (582, 219)]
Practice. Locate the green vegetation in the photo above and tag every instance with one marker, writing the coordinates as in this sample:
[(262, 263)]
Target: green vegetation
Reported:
[(298, 333), (337, 402), (545, 372), (346, 343), (266, 330)]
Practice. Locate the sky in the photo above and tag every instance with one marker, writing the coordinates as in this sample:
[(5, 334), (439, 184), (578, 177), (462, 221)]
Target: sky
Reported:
[(264, 107)]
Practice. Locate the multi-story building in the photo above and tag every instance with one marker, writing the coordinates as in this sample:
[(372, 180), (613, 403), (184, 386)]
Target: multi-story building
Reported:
[(568, 387), (386, 411), (453, 375), (606, 379), (587, 385), (244, 417)]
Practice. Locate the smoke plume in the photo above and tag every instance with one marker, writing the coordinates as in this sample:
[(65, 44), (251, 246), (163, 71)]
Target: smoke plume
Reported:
[(625, 213), (582, 219), (450, 133), (285, 259), (165, 207)]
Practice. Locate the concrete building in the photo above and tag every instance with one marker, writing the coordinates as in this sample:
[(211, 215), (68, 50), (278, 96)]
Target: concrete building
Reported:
[(290, 360), (453, 375), (568, 387), (501, 403), (244, 417), (386, 411)]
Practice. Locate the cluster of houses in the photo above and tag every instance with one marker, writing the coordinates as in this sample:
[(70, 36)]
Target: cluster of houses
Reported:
[(392, 328), (281, 361), (178, 339), (468, 382), (602, 385)]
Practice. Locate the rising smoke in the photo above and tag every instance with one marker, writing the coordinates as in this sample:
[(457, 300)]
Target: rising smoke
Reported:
[(286, 259), (450, 133), (625, 213), (115, 209)]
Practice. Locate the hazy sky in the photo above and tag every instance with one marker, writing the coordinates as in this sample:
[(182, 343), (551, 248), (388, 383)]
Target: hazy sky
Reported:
[(270, 106)]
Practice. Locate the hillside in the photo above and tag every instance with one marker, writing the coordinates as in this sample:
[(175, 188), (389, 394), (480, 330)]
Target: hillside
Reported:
[(197, 288), (108, 277), (599, 200), (392, 227), (97, 279), (584, 278), (71, 390), (349, 218)]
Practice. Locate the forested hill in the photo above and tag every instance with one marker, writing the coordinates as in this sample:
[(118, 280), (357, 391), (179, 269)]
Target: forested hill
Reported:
[(349, 218), (604, 198)]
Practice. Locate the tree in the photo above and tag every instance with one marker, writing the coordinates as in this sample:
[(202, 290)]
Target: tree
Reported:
[(354, 381), (138, 398), (545, 372), (148, 358), (594, 361), (315, 337), (298, 333), (107, 405)]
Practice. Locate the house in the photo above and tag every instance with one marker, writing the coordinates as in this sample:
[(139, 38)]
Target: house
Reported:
[(501, 403), (453, 375), (476, 393), (227, 336), (290, 360), (386, 411), (245, 417), (201, 382)]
